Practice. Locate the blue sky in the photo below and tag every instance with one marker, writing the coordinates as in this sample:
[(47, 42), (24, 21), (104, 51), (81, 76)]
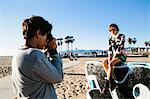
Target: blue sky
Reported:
[(86, 20)]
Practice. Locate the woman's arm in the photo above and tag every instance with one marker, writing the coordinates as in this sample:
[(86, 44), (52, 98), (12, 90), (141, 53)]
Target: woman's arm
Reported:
[(109, 57)]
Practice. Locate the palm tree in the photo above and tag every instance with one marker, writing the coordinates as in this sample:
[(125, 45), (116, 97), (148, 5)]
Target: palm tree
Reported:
[(147, 44), (130, 43), (59, 43), (69, 39), (130, 40), (72, 40), (134, 40), (67, 42)]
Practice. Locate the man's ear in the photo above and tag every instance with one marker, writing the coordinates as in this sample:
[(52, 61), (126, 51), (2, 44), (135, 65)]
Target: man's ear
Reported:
[(38, 33)]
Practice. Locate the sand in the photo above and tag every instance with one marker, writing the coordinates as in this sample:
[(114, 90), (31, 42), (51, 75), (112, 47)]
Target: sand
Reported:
[(73, 86)]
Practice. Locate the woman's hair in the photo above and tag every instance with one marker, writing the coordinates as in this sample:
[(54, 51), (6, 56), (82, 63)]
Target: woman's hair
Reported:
[(114, 25), (31, 25)]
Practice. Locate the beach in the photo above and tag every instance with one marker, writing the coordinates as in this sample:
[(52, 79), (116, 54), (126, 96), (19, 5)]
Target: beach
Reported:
[(73, 86)]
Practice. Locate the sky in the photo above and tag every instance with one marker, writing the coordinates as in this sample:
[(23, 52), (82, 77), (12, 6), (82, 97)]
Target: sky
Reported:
[(86, 20)]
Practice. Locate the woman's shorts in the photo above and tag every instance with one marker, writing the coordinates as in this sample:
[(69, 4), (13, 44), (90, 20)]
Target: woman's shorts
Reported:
[(123, 58)]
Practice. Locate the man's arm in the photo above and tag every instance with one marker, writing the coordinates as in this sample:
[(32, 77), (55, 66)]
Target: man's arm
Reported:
[(50, 72)]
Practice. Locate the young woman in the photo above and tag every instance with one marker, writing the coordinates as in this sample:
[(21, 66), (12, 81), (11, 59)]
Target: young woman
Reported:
[(116, 53)]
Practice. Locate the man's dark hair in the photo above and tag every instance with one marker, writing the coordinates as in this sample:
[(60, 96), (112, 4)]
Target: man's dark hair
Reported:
[(114, 25), (31, 25)]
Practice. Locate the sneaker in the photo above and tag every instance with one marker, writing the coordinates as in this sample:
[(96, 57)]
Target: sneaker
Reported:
[(113, 84)]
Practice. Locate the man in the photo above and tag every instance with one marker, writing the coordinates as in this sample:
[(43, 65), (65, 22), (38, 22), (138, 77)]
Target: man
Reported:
[(33, 74)]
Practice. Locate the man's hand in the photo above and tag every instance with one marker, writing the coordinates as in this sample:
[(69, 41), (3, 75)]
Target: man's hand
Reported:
[(51, 44), (51, 47)]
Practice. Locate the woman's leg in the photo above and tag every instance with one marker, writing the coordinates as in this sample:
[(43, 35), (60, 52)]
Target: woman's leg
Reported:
[(110, 67), (105, 65)]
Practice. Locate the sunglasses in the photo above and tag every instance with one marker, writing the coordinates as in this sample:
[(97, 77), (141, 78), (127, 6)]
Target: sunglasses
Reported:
[(112, 30)]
